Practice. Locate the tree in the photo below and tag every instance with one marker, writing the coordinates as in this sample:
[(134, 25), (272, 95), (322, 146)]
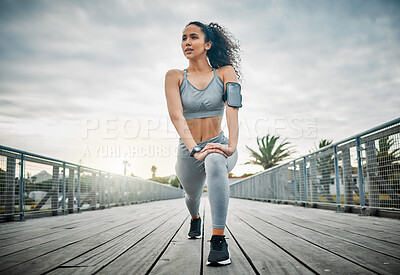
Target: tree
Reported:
[(270, 153), (176, 183), (322, 143), (153, 170)]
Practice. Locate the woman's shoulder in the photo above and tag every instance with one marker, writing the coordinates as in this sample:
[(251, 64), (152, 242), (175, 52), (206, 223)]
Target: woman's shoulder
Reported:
[(174, 72), (226, 68), (175, 75), (226, 72)]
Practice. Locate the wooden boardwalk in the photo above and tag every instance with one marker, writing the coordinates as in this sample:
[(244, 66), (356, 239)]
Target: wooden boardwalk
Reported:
[(151, 238)]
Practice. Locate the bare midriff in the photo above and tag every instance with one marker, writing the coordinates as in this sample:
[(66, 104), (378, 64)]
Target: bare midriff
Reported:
[(204, 128)]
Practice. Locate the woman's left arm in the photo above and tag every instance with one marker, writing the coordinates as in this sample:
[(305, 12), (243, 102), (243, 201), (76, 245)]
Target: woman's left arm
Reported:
[(232, 119), (228, 75)]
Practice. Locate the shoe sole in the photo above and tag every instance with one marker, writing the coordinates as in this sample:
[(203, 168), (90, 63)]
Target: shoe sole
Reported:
[(216, 263), (197, 237)]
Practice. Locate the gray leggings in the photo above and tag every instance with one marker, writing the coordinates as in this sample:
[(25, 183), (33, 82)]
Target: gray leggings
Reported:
[(192, 174)]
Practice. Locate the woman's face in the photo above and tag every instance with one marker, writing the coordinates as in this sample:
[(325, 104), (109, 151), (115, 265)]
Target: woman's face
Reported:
[(193, 42)]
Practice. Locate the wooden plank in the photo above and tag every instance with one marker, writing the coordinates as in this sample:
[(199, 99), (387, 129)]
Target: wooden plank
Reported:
[(374, 227), (267, 257), (239, 265), (46, 226), (370, 222), (375, 223), (315, 257), (57, 235), (101, 256), (140, 258), (27, 240), (182, 252), (80, 247), (49, 222), (375, 244), (50, 255), (372, 260), (381, 235)]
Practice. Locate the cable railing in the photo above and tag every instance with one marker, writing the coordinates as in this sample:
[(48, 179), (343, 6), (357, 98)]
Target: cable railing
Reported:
[(360, 173), (32, 184)]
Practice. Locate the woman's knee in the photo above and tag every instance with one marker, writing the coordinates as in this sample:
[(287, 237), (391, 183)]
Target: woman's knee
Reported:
[(215, 163), (194, 196)]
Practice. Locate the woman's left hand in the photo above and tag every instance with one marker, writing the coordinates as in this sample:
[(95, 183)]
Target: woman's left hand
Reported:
[(226, 149)]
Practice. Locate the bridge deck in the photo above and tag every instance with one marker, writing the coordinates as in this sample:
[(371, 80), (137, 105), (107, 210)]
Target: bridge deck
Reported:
[(152, 238)]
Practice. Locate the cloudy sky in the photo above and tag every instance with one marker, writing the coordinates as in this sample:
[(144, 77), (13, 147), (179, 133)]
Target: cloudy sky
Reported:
[(83, 81)]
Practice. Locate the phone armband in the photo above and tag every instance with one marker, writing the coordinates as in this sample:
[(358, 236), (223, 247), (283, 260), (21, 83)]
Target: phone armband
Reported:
[(232, 95)]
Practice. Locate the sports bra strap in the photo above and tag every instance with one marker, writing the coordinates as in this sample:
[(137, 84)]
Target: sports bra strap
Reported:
[(184, 73)]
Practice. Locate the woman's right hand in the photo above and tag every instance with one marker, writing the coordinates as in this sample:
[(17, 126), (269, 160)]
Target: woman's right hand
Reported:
[(202, 155)]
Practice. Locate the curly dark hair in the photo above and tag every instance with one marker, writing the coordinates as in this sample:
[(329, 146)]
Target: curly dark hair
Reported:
[(225, 49)]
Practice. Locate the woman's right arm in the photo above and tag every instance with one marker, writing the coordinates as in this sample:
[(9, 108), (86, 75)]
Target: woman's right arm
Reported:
[(175, 109)]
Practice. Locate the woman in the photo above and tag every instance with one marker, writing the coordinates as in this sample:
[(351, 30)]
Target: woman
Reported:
[(196, 108)]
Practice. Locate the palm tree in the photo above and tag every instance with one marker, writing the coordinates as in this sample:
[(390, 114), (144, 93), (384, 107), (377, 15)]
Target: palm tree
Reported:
[(270, 153), (322, 143), (153, 170)]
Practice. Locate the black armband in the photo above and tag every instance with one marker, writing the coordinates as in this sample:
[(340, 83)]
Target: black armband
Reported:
[(232, 95)]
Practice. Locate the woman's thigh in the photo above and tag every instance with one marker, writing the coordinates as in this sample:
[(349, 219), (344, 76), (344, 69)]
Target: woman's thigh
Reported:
[(232, 160), (191, 174)]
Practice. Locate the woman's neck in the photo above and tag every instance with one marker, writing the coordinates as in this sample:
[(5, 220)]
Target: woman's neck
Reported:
[(199, 66)]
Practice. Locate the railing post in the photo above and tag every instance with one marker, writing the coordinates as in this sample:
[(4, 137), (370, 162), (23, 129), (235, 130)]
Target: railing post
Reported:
[(21, 189), (79, 189), (120, 191), (279, 191), (108, 190), (55, 190), (100, 192), (264, 186), (337, 182), (280, 184), (295, 183), (273, 180), (284, 183), (305, 180), (314, 179), (373, 177), (9, 194), (347, 176), (63, 190), (70, 193), (360, 176), (93, 197), (125, 191)]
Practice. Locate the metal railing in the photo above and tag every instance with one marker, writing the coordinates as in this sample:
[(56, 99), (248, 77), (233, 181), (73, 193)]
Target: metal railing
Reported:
[(34, 184), (362, 171)]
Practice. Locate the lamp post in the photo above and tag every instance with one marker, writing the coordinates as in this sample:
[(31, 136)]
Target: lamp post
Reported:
[(126, 163)]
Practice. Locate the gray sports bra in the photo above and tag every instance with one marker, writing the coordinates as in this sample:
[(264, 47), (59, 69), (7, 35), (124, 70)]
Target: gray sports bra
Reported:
[(202, 103)]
